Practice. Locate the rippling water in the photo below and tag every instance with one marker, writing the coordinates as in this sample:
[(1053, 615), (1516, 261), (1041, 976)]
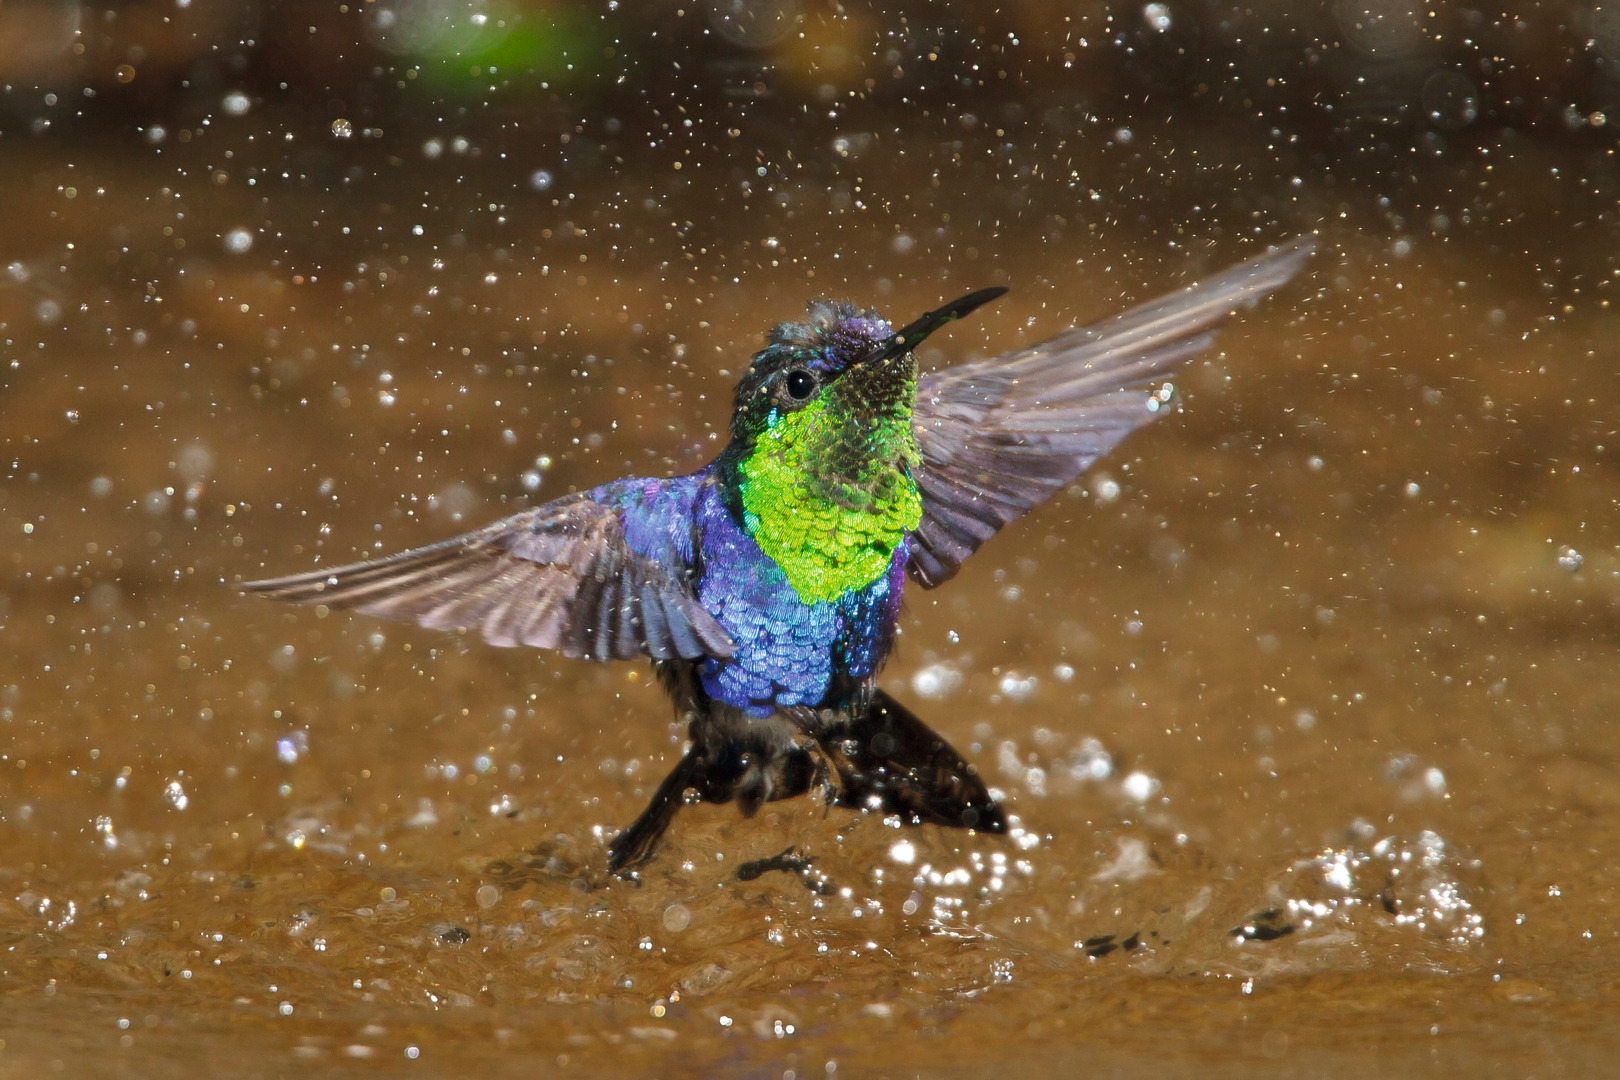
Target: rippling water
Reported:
[(1299, 702)]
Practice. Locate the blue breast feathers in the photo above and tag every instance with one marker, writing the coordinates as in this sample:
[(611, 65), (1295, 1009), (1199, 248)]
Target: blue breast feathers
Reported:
[(788, 652)]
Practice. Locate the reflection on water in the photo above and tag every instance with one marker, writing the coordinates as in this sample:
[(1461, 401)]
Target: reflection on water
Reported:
[(1293, 701)]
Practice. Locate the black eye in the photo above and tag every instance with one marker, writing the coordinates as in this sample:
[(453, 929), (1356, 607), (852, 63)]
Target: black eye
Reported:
[(800, 384)]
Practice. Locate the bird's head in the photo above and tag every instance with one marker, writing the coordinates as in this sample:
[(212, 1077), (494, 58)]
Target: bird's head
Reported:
[(846, 363)]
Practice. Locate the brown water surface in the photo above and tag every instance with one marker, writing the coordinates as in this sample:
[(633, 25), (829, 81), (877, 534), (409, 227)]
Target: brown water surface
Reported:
[(1302, 703)]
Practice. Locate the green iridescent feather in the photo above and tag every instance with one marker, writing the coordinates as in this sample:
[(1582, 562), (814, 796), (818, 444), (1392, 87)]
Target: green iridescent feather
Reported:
[(827, 493)]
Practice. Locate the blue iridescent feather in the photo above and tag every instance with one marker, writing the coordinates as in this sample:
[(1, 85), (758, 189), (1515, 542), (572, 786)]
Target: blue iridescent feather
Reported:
[(855, 474)]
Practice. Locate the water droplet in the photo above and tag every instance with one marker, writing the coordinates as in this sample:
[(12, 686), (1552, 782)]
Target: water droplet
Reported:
[(1091, 761), (1450, 100), (753, 24), (1018, 687), (1139, 786), (1382, 28), (936, 681)]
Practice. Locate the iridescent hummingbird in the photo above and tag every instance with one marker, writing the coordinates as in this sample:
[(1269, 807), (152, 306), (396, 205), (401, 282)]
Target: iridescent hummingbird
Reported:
[(765, 587)]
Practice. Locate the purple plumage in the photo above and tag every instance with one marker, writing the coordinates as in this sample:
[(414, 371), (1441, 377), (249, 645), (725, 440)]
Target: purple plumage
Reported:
[(776, 673), (785, 652), (788, 653), (784, 646)]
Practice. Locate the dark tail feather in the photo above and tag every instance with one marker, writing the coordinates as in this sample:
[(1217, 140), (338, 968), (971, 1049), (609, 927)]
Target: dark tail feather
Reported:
[(887, 760), (891, 761)]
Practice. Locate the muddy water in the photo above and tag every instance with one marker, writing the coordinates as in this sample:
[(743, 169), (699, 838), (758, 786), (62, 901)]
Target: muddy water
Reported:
[(1300, 703)]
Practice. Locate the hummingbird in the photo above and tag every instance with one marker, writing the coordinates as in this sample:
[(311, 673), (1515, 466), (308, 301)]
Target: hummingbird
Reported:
[(765, 587)]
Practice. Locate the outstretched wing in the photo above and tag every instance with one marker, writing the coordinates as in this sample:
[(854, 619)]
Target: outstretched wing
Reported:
[(999, 436), (561, 576)]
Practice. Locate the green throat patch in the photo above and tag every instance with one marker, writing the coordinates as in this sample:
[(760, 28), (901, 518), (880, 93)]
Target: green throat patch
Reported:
[(830, 501)]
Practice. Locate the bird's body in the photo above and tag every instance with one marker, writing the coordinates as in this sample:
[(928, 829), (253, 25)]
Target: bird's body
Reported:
[(766, 586)]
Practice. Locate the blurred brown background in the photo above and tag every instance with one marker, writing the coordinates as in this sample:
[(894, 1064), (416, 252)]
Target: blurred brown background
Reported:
[(1300, 701)]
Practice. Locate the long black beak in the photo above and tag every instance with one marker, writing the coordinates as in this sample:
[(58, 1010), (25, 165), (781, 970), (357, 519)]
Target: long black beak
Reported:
[(910, 336)]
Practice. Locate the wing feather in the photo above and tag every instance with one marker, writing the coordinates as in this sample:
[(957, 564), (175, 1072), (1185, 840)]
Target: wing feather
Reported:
[(655, 623), (1000, 436), (561, 576)]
